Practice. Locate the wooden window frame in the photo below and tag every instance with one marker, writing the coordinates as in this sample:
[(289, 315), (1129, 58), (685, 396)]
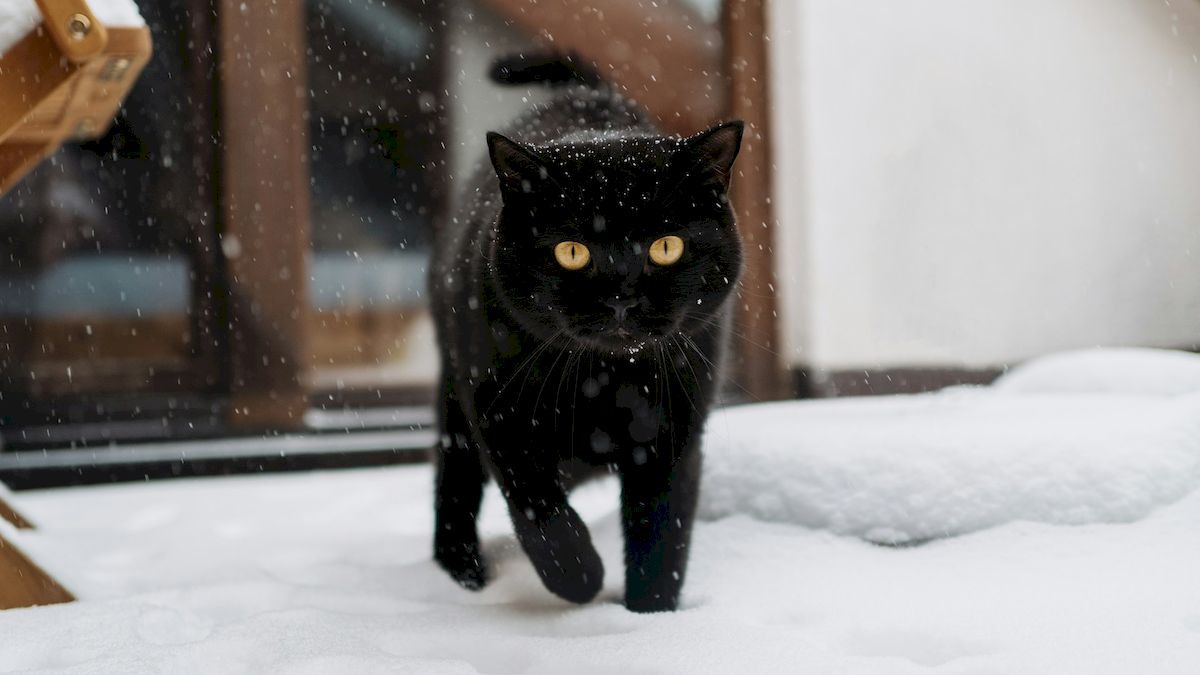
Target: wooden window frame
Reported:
[(268, 383)]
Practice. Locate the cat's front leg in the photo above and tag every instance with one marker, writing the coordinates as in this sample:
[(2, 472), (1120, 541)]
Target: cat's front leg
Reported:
[(458, 491), (550, 531), (658, 508)]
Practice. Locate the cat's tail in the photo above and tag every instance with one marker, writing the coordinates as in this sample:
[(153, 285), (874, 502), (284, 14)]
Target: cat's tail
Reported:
[(549, 68)]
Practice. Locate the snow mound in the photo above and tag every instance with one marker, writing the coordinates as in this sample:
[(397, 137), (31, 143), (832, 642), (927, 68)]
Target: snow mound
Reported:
[(910, 468), (19, 17), (1160, 372)]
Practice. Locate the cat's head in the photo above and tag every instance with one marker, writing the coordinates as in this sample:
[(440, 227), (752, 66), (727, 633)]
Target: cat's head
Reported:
[(616, 241)]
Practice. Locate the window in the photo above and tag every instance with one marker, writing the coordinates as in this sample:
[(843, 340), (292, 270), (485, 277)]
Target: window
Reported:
[(244, 252)]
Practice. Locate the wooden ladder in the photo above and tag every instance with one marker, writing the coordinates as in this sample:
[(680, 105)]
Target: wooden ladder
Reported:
[(22, 582), (65, 79)]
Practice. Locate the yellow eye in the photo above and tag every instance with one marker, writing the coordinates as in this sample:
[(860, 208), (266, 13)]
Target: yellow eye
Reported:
[(666, 250), (572, 255)]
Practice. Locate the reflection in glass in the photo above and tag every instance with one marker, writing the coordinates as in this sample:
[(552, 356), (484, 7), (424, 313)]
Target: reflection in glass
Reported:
[(378, 140)]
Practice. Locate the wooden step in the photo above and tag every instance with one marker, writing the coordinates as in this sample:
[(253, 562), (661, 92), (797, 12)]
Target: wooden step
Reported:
[(23, 583), (11, 514)]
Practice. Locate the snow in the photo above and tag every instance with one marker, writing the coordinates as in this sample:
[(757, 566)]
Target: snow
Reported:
[(331, 572), (122, 13), (19, 17), (1122, 371), (909, 468)]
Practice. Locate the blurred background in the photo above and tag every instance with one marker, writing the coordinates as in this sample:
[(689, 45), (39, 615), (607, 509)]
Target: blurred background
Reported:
[(931, 190)]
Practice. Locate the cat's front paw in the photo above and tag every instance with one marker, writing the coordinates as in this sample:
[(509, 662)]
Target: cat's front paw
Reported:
[(649, 602), (645, 593), (465, 564), (561, 551)]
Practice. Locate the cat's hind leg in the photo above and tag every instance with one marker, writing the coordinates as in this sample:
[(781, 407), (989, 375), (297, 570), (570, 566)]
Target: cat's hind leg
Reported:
[(458, 493)]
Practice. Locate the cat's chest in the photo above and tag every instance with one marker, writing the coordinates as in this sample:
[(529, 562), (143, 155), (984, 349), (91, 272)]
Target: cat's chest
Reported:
[(582, 404)]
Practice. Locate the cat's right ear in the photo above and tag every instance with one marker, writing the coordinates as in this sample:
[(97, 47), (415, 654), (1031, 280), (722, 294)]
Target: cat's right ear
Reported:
[(518, 167)]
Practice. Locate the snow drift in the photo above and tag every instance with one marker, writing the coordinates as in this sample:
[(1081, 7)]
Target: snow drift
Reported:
[(1102, 436), (1150, 372)]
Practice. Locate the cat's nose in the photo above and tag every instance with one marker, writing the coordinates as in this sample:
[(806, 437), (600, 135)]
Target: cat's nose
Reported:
[(621, 306)]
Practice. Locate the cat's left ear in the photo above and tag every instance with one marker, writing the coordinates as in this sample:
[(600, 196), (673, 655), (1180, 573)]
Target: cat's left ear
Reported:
[(713, 151)]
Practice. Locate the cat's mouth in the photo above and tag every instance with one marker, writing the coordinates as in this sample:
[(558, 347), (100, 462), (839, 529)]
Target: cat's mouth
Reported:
[(621, 339), (629, 347)]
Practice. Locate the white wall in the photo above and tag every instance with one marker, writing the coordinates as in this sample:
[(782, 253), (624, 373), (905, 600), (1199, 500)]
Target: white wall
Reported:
[(478, 105), (972, 182)]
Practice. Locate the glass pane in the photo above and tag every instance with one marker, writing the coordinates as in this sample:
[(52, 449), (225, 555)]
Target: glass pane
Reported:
[(378, 142)]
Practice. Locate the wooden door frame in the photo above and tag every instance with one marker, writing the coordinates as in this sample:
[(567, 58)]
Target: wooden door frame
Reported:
[(759, 365), (264, 227), (267, 165)]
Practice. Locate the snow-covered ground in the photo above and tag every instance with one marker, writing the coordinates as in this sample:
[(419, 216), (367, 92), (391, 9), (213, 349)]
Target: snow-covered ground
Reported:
[(330, 572)]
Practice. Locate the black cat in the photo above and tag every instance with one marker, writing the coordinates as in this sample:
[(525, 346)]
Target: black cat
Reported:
[(581, 302)]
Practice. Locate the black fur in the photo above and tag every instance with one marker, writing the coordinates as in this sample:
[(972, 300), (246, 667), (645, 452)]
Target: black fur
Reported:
[(551, 69), (542, 387)]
